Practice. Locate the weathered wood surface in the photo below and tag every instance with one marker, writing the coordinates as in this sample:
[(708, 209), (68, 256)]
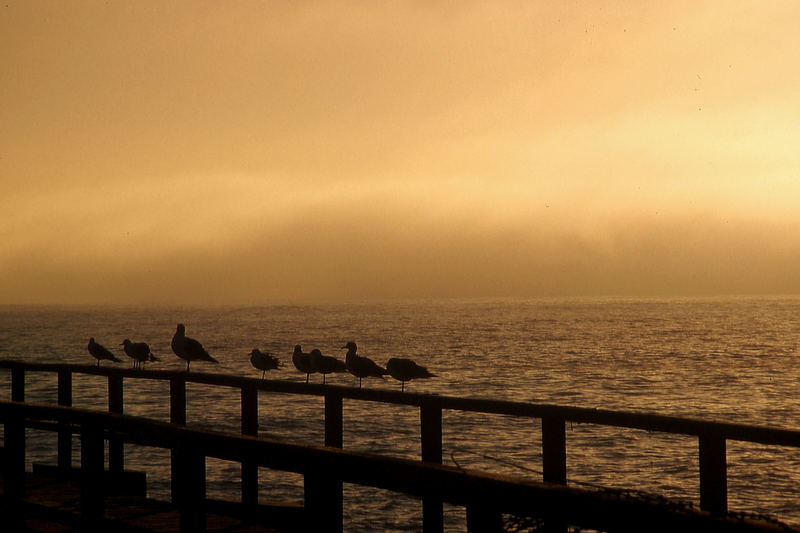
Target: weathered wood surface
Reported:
[(52, 504), (484, 494)]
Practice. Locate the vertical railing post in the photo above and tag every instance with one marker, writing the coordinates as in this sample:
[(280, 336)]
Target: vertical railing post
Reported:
[(249, 427), (13, 468), (64, 433), (17, 384), (177, 415), (189, 486), (713, 474), (322, 502), (323, 492), (334, 438), (430, 414), (554, 462), (116, 447), (333, 420), (554, 450), (92, 459), (177, 399)]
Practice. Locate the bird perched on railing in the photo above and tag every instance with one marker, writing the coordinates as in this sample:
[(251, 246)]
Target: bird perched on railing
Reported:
[(302, 361), (139, 352), (189, 349), (263, 361), (100, 352), (404, 370), (325, 364), (361, 367)]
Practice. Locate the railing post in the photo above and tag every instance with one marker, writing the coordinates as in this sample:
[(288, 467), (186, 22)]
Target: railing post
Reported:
[(116, 447), (17, 384), (249, 427), (13, 469), (333, 420), (322, 502), (177, 400), (177, 415), (65, 433), (554, 462), (189, 485), (554, 450), (323, 493), (92, 459), (334, 438), (713, 474), (430, 414)]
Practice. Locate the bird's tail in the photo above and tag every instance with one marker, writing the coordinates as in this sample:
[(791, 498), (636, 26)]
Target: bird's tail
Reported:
[(116, 359), (153, 357), (211, 359)]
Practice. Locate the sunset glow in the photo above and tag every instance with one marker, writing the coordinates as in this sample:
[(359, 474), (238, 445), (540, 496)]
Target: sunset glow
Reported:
[(250, 152)]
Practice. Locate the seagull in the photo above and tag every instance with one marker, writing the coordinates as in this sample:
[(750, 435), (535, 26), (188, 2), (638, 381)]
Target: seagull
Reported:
[(302, 361), (361, 367), (263, 361), (100, 352), (139, 352), (189, 349), (325, 364), (405, 370)]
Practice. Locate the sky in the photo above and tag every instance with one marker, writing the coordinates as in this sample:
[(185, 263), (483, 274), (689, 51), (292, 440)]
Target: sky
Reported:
[(248, 152)]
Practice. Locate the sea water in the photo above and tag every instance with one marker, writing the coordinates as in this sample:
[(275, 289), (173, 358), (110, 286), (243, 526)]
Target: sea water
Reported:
[(722, 359)]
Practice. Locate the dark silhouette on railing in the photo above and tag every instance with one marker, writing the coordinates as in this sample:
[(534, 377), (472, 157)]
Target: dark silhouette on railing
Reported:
[(361, 367), (101, 353), (712, 436), (325, 364), (188, 348), (324, 469), (264, 361), (139, 352), (302, 361), (404, 370)]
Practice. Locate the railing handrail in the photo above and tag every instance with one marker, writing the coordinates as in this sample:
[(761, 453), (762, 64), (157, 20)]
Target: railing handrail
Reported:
[(624, 419), (454, 485)]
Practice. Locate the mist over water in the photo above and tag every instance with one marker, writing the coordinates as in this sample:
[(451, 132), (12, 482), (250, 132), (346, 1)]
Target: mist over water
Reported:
[(718, 359)]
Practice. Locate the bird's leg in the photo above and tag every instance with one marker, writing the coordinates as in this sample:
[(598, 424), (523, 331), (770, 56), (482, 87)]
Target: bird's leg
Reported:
[(307, 379), (323, 379), (264, 373), (359, 383), (187, 366), (402, 386)]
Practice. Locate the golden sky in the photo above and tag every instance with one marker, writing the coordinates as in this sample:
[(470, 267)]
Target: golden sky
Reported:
[(192, 152)]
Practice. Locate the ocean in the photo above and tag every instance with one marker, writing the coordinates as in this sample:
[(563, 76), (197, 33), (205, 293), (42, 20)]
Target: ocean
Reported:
[(722, 359)]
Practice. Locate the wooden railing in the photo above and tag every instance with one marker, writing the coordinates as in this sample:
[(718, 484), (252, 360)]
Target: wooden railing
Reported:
[(712, 436), (325, 468)]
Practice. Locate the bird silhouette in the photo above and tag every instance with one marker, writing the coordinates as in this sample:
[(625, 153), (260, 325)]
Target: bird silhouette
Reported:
[(302, 361), (325, 364), (189, 349), (263, 361), (100, 352), (139, 352), (404, 370), (361, 367)]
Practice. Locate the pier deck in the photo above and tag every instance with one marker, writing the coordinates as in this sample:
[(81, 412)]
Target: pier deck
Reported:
[(52, 504)]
